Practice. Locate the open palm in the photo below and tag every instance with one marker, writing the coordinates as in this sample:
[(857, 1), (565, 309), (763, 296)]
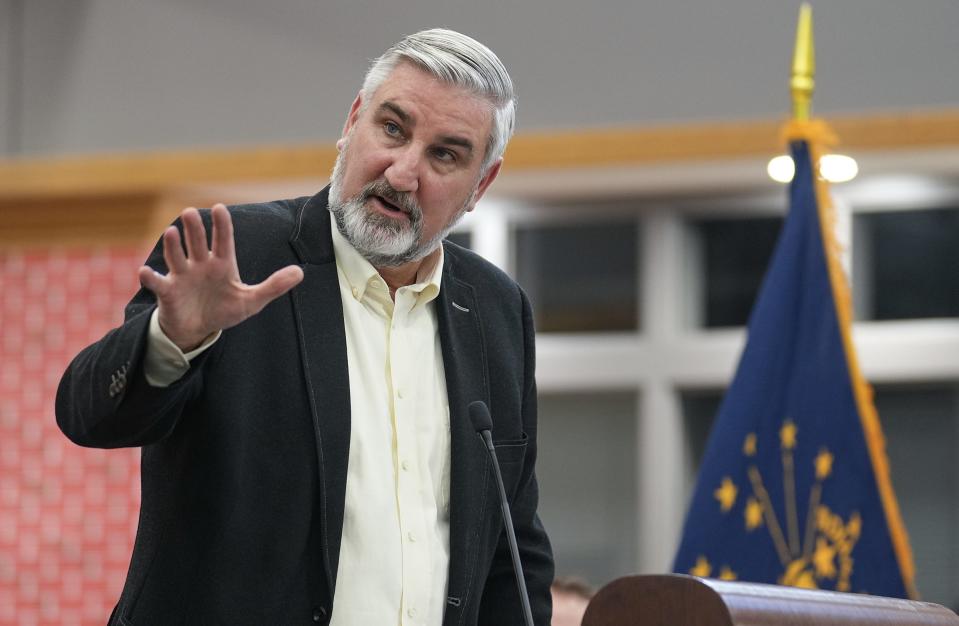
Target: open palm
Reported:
[(202, 293)]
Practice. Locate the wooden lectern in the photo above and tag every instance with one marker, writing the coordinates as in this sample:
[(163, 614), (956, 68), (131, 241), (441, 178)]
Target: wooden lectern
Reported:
[(678, 600)]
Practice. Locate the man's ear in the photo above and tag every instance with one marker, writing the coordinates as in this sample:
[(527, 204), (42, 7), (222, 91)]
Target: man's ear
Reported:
[(485, 182), (353, 116)]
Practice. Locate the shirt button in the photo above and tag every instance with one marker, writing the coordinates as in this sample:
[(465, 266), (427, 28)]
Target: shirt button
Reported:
[(411, 612), (411, 537), (356, 292), (405, 465), (399, 394)]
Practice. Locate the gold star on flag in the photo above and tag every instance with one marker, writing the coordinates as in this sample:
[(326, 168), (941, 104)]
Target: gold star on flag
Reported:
[(823, 464), (726, 494), (854, 527), (787, 435), (824, 559), (753, 514), (749, 446), (727, 574), (702, 568)]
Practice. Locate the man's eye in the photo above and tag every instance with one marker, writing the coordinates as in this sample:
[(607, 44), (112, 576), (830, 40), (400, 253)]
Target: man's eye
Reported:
[(447, 156), (392, 129)]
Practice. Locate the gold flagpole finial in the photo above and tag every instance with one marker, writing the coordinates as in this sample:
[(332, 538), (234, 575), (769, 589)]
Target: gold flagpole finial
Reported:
[(803, 81)]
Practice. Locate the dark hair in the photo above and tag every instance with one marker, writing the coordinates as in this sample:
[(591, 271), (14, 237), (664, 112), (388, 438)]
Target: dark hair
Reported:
[(573, 586)]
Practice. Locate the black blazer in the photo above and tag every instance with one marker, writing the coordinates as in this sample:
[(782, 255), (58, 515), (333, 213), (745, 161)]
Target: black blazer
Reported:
[(244, 459)]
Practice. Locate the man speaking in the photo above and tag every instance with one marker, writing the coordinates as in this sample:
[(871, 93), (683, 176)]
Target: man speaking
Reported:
[(298, 375)]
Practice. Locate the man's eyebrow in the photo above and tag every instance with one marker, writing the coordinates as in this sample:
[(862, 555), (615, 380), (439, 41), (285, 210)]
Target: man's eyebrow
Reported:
[(451, 140), (397, 111)]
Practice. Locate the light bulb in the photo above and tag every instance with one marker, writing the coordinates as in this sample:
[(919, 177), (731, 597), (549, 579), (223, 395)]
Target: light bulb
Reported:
[(781, 168), (836, 168)]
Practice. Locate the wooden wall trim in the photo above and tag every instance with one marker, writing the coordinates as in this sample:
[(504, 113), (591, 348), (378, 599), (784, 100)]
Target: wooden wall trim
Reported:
[(122, 197), (77, 221), (123, 174), (156, 172), (703, 142)]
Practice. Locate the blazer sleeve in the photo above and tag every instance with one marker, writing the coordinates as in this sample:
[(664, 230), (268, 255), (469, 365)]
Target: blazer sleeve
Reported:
[(501, 604), (104, 400)]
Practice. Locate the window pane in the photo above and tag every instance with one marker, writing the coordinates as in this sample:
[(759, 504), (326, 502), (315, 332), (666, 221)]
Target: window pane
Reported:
[(699, 411), (587, 478), (580, 277), (734, 256), (921, 425), (911, 265)]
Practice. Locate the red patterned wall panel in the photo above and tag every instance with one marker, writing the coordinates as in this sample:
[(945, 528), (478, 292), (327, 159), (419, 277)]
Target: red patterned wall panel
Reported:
[(67, 514)]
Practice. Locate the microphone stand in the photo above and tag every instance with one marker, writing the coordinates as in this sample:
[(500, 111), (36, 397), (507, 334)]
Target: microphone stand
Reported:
[(479, 414)]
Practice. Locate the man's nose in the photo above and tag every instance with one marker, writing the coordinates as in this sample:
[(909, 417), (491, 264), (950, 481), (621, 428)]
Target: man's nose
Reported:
[(403, 172)]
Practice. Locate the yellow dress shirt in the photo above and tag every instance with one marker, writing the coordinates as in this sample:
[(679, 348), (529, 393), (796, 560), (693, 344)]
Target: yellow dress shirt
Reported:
[(394, 553)]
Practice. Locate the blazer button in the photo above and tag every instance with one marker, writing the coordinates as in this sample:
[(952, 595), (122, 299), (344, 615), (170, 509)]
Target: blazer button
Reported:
[(319, 614)]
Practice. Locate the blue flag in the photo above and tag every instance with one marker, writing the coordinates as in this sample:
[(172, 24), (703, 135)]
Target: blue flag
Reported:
[(794, 486)]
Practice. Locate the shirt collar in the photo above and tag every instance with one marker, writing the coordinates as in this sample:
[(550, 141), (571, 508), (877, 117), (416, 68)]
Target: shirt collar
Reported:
[(360, 274)]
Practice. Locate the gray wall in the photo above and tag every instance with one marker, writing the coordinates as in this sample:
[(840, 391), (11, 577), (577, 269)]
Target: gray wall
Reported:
[(8, 79), (102, 75)]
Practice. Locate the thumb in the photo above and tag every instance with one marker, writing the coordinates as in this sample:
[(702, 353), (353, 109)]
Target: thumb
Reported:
[(278, 283), (152, 280)]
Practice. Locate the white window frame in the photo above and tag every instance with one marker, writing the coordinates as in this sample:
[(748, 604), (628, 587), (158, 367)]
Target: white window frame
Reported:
[(669, 353)]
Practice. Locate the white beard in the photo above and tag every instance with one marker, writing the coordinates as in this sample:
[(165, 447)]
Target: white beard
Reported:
[(383, 241)]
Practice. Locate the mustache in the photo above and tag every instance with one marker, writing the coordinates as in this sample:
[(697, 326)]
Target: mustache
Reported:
[(403, 200)]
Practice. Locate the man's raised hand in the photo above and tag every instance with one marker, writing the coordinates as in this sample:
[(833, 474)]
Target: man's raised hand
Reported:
[(202, 292)]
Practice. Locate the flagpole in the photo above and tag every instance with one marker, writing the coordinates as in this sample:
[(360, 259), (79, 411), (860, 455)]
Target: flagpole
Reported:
[(818, 136), (802, 83)]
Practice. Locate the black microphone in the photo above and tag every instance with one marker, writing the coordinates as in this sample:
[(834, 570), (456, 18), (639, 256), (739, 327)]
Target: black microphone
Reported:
[(483, 423)]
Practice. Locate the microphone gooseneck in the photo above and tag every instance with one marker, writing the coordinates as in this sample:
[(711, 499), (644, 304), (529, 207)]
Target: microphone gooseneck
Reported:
[(483, 423)]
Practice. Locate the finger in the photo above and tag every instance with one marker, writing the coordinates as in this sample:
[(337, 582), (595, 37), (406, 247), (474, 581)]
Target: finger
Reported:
[(195, 235), (223, 246), (173, 251), (275, 286), (152, 280)]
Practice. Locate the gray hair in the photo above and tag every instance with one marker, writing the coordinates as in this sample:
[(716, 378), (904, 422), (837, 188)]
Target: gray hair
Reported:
[(461, 61)]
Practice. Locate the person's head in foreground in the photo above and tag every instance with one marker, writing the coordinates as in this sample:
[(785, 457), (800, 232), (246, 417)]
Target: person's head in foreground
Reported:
[(570, 598)]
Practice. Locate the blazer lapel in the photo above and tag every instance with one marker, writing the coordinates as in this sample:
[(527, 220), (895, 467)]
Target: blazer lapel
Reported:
[(318, 312), (464, 361)]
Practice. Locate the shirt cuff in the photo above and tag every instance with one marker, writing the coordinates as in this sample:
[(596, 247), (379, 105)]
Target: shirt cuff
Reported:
[(164, 363)]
